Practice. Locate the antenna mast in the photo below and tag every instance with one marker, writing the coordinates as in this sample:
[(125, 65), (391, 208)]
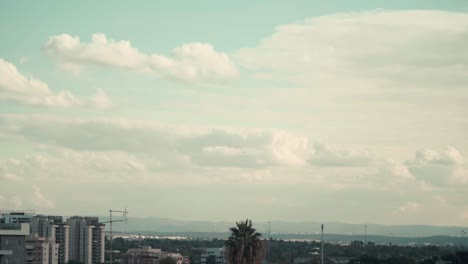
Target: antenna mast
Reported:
[(124, 219), (322, 247)]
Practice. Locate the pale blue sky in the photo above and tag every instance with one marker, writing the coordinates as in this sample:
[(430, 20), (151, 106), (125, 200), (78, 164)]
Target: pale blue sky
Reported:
[(299, 108)]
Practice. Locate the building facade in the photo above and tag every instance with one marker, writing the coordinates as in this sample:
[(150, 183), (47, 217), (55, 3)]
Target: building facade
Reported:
[(13, 243), (217, 254), (62, 232), (50, 240), (86, 239), (16, 217), (54, 229), (41, 250)]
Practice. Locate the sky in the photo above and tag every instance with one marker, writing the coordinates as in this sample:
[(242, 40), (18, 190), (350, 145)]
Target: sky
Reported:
[(351, 111)]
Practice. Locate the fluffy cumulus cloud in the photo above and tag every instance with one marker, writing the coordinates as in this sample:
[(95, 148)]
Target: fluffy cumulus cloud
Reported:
[(39, 200), (16, 87), (439, 168), (189, 62), (327, 155), (448, 157)]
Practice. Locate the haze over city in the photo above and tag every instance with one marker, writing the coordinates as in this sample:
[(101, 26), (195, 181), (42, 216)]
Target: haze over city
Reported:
[(351, 111)]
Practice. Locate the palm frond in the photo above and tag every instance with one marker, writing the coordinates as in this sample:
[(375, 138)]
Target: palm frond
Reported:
[(244, 245)]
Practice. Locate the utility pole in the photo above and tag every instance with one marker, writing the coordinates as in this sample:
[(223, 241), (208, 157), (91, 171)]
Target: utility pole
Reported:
[(462, 237), (322, 246), (365, 239), (269, 242), (124, 218)]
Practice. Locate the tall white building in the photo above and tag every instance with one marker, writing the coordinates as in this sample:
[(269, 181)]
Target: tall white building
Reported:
[(86, 239), (41, 250), (52, 228)]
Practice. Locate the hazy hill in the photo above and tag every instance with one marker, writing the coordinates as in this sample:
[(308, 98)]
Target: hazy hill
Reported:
[(163, 225)]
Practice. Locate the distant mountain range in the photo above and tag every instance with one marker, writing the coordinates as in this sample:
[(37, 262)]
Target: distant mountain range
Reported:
[(288, 230)]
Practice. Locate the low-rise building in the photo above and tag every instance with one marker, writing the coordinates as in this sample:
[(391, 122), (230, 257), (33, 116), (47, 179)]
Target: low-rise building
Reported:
[(216, 254), (148, 255), (16, 217)]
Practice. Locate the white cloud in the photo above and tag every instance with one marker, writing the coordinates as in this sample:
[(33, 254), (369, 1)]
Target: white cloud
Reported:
[(12, 177), (16, 87), (16, 202), (409, 207), (328, 155), (189, 62), (214, 159), (368, 49), (190, 147), (223, 150), (449, 156), (100, 100), (394, 170), (438, 168), (206, 147), (39, 200), (99, 151), (290, 149)]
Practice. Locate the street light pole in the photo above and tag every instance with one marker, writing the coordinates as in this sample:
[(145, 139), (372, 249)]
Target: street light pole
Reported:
[(322, 246), (365, 239), (462, 237), (269, 242)]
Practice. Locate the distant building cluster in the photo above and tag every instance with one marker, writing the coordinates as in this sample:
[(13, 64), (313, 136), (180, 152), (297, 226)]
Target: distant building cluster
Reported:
[(148, 255), (38, 239)]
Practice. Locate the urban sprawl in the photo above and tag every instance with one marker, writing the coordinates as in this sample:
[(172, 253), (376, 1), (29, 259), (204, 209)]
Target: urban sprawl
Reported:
[(39, 239)]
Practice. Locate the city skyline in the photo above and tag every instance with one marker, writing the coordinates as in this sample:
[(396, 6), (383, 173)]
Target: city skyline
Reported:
[(352, 112)]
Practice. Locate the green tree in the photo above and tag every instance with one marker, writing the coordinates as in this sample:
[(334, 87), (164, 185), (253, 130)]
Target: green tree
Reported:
[(244, 245), (167, 260)]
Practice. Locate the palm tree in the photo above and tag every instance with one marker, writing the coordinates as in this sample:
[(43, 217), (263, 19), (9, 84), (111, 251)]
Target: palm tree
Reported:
[(244, 246)]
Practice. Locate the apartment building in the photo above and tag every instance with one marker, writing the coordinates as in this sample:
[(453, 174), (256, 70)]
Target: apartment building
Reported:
[(86, 239), (52, 228), (41, 250)]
